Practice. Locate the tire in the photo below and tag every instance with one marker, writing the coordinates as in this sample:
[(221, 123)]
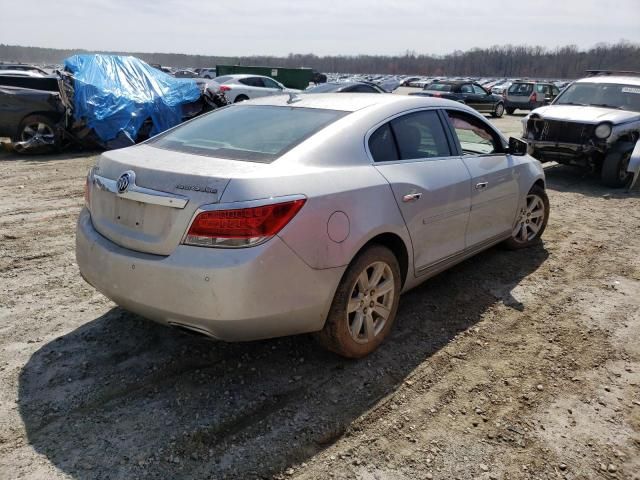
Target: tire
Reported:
[(240, 98), (338, 334), (531, 222), (614, 169), (34, 128), (510, 111), (499, 111)]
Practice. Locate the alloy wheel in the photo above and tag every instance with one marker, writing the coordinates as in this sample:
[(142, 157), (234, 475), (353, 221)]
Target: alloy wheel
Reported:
[(530, 219), (370, 302), (37, 132)]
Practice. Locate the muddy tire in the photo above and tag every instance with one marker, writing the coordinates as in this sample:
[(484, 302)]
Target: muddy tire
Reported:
[(614, 169), (531, 221), (510, 111), (365, 304), (499, 111), (39, 130)]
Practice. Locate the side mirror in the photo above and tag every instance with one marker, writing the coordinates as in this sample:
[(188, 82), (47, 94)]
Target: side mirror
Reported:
[(517, 147)]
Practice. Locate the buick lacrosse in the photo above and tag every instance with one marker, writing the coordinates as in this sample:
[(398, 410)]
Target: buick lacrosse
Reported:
[(308, 213)]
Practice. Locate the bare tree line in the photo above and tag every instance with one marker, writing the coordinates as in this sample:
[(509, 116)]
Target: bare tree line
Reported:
[(505, 60)]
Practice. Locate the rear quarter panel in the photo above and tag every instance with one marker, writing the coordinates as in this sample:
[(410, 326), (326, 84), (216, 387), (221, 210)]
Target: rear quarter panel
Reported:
[(360, 192)]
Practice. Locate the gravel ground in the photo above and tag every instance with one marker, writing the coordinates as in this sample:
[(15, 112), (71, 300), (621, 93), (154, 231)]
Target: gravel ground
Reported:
[(511, 365)]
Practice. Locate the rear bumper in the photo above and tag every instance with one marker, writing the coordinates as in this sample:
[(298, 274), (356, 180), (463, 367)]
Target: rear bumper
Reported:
[(230, 294)]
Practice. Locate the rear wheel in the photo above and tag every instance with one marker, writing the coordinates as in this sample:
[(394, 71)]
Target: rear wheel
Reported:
[(37, 134), (365, 304), (510, 111), (240, 98), (499, 111), (614, 169), (532, 220)]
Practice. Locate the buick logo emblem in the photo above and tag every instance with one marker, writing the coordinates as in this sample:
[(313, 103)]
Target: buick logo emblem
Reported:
[(125, 180)]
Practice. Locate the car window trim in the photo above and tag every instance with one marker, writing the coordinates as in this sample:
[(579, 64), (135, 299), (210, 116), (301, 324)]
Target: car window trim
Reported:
[(457, 140), (452, 147)]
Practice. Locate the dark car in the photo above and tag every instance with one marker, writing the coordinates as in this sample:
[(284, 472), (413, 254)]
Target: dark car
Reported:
[(469, 93), (31, 118), (22, 67), (350, 87), (529, 95)]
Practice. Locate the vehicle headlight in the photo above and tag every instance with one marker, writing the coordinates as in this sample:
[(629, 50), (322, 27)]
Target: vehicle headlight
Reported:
[(603, 130)]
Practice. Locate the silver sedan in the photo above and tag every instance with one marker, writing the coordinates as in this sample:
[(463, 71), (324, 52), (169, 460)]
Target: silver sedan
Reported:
[(310, 213)]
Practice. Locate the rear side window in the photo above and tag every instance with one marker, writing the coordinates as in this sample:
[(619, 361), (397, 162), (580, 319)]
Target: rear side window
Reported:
[(252, 81), (256, 133), (439, 87), (410, 137), (382, 145)]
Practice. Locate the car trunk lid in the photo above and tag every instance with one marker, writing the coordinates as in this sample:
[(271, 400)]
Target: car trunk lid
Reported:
[(151, 209)]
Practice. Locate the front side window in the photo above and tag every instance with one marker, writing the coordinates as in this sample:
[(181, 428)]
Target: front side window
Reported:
[(479, 90), (474, 136), (270, 83), (256, 133), (466, 88)]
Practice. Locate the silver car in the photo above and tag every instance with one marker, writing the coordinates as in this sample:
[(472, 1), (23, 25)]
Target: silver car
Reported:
[(241, 87), (311, 213)]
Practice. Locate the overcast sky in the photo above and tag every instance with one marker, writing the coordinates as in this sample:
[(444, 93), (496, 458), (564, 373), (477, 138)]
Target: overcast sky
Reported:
[(323, 27)]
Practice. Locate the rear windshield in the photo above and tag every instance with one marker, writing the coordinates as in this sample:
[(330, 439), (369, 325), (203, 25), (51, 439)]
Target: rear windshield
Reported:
[(521, 88), (255, 133), (440, 87)]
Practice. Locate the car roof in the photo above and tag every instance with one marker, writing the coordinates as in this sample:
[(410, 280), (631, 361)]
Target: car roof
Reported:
[(351, 102), (618, 79), (237, 76)]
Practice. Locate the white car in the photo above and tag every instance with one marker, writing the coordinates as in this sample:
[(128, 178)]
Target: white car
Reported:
[(238, 88)]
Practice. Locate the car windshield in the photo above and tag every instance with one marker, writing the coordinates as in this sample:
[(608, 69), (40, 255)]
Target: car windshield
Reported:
[(611, 95), (256, 133), (439, 87)]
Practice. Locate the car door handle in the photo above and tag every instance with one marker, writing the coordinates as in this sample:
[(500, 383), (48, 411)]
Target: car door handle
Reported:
[(481, 185), (411, 197)]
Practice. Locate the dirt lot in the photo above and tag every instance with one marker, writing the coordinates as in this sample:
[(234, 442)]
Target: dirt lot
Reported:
[(511, 365)]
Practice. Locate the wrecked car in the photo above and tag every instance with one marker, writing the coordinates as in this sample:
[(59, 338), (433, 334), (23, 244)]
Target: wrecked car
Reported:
[(31, 117), (595, 124), (98, 101)]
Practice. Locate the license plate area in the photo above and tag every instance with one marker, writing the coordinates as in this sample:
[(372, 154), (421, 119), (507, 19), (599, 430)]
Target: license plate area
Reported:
[(129, 213)]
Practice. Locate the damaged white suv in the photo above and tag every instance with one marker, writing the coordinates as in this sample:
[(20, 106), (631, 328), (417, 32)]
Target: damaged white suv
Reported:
[(593, 123)]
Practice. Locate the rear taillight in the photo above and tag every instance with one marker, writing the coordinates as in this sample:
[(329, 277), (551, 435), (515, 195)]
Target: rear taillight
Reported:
[(224, 88), (242, 227)]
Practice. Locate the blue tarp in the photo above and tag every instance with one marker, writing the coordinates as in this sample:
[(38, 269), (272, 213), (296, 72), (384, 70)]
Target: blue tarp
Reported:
[(116, 94)]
